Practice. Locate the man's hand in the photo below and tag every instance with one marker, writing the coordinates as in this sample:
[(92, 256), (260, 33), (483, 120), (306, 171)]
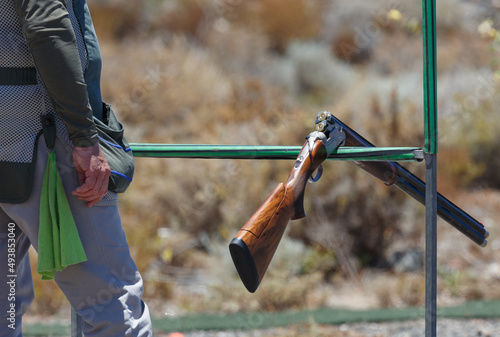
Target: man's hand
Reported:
[(93, 174)]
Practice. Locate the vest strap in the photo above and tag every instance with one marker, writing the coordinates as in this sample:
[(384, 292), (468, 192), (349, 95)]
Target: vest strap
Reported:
[(17, 76)]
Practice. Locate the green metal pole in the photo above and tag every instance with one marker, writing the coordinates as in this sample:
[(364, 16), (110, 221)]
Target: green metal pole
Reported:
[(430, 86)]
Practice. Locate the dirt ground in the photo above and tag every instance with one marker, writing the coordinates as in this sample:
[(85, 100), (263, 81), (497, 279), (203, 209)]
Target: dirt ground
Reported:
[(445, 328)]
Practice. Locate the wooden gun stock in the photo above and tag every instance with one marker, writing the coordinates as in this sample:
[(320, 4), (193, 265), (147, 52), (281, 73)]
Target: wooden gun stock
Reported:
[(253, 248)]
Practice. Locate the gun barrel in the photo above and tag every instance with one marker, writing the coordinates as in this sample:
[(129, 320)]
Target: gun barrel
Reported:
[(392, 173), (447, 210)]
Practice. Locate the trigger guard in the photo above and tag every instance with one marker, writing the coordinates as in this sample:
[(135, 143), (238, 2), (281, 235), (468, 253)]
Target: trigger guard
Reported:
[(318, 175)]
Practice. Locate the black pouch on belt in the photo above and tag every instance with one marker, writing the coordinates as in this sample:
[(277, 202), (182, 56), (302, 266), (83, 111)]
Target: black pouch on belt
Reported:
[(16, 178)]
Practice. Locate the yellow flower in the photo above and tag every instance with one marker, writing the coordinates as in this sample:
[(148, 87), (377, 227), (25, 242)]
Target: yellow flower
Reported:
[(486, 29), (395, 15)]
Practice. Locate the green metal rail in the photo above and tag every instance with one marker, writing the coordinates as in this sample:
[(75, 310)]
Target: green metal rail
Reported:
[(404, 154)]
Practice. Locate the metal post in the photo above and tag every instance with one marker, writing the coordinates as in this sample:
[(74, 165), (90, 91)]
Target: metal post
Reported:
[(430, 245), (76, 324)]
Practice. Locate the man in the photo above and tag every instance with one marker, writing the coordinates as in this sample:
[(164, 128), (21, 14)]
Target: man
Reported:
[(50, 64)]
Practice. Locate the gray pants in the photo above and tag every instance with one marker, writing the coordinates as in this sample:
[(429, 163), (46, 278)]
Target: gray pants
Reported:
[(106, 290)]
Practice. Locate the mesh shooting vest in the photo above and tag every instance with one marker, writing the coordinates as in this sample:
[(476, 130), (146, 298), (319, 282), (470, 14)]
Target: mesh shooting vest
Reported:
[(23, 100)]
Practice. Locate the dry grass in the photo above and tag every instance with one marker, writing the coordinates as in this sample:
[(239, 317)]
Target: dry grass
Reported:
[(314, 330)]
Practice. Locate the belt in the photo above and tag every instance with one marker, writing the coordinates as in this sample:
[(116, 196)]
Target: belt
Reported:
[(17, 76)]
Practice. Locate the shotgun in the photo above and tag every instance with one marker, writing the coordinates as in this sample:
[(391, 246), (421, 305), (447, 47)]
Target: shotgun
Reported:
[(253, 247), (255, 244)]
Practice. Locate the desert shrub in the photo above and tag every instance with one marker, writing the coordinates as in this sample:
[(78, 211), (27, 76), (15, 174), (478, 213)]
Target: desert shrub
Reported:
[(323, 260), (316, 70), (284, 21), (457, 169), (411, 289), (180, 17), (364, 224), (116, 19), (488, 157), (453, 17), (354, 28), (347, 48), (239, 50), (352, 15), (473, 126), (399, 289), (273, 295)]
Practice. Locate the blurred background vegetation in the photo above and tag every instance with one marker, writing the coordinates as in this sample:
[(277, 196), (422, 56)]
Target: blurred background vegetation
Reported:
[(257, 72)]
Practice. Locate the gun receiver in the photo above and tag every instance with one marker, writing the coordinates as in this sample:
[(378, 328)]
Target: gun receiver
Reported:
[(254, 246)]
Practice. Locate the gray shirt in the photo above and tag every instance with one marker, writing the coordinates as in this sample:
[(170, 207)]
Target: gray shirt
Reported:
[(52, 43)]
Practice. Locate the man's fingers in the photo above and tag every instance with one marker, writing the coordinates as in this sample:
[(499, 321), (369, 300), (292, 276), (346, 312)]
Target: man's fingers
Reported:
[(93, 172), (99, 194), (85, 194), (92, 197), (92, 188)]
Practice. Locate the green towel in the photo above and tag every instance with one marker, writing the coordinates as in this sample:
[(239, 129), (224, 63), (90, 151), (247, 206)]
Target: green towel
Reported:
[(59, 244)]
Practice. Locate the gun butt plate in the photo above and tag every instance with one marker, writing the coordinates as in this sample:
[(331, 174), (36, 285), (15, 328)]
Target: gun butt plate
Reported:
[(244, 263)]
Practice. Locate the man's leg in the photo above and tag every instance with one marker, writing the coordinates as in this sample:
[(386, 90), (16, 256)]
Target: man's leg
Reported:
[(105, 290), (16, 283)]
